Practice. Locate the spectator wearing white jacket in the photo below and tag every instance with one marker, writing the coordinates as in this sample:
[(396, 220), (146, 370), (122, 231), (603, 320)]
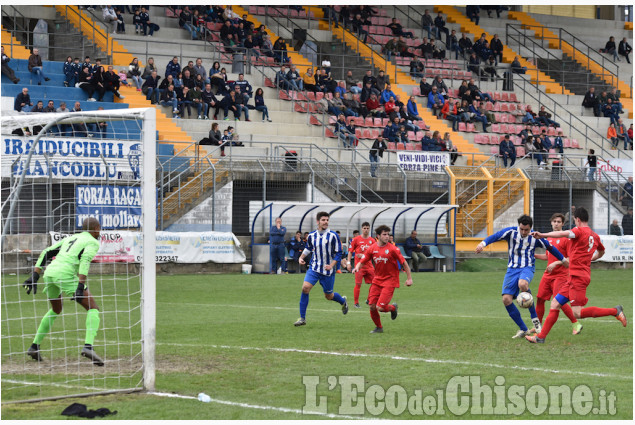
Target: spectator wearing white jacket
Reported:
[(109, 16)]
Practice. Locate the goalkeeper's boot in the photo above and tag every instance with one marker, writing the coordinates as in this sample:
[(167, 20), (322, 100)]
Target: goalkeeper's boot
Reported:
[(34, 352), (90, 354), (377, 331), (534, 339), (344, 306), (620, 315), (520, 334), (300, 322), (537, 325), (393, 314), (577, 328)]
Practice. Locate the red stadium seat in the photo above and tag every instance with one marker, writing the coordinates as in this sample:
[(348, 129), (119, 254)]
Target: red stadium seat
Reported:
[(377, 122), (493, 150), (462, 126), (329, 133), (512, 97), (366, 134), (401, 147), (359, 121), (314, 121), (496, 128), (368, 122), (391, 146)]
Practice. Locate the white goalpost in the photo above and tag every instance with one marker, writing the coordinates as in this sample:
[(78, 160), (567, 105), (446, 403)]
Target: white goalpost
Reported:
[(56, 170)]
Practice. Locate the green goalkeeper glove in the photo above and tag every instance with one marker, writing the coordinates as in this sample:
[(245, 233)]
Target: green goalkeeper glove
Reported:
[(31, 283)]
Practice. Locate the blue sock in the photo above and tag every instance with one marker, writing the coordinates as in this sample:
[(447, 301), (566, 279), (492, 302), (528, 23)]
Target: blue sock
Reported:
[(532, 309), (338, 298), (515, 315), (304, 303)]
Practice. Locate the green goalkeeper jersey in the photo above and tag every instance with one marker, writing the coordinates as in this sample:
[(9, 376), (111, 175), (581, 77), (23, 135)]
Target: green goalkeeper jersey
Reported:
[(72, 255)]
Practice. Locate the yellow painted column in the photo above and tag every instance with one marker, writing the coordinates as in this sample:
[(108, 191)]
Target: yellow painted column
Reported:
[(490, 200), (452, 192), (526, 190)]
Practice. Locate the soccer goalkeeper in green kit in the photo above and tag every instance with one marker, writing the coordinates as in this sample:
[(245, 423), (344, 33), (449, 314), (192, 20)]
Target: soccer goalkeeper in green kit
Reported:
[(67, 274)]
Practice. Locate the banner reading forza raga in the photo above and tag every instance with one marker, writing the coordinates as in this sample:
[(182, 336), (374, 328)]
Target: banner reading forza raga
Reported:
[(171, 247), (71, 158), (425, 162)]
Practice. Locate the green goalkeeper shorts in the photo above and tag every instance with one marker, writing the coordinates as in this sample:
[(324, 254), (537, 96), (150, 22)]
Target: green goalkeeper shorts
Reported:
[(57, 284)]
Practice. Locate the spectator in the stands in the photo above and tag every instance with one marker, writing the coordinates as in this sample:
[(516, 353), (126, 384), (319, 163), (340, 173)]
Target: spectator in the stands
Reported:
[(342, 131), (427, 23), (544, 117), (138, 23), (209, 100), (358, 27), (280, 51), (110, 16), (540, 153), (341, 88), (402, 48), (351, 83), (391, 108), (147, 70), (453, 44), (351, 103), (615, 229), (200, 69), (391, 130), (611, 48), (474, 65), (245, 87), (197, 101), (308, 80), (517, 68), (496, 45), (281, 79), (259, 101), (50, 107), (413, 111), (439, 22), (80, 129), (485, 52), (558, 143), (121, 25), (173, 67), (382, 81), (491, 118), (463, 111), (39, 107), (87, 64), (35, 66), (611, 134), (187, 79), (367, 90), (111, 82), (626, 195), (426, 141), (592, 162), (615, 99), (490, 68), (424, 87), (450, 112), (507, 150), (546, 142), (390, 48), (437, 144), (622, 134), (530, 116), (426, 48), (229, 14), (591, 101), (465, 45), (374, 107), (336, 107), (185, 102), (477, 94), (6, 69), (472, 12), (435, 101), (240, 101), (134, 73), (294, 79), (449, 147), (397, 29), (214, 136), (442, 88), (146, 24), (369, 77), (624, 49), (72, 68), (627, 222), (151, 87), (477, 115), (86, 83), (168, 98), (610, 111), (387, 93), (325, 82), (416, 68)]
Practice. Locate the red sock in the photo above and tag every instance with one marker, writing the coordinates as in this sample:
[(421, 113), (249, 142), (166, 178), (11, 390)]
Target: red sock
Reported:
[(597, 312), (551, 319), (356, 292), (568, 311), (540, 309), (374, 314)]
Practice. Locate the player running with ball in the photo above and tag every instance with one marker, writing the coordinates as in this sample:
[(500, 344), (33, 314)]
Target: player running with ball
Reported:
[(555, 275), (359, 244), (520, 267), (386, 258), (584, 246), (67, 275), (326, 249)]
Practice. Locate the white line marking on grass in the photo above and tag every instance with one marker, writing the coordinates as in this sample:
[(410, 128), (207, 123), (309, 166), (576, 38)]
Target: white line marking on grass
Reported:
[(336, 310), (53, 384), (413, 359), (259, 407)]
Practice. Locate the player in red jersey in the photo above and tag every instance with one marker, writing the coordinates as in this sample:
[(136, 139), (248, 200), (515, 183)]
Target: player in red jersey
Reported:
[(555, 275), (358, 245), (387, 258), (584, 247)]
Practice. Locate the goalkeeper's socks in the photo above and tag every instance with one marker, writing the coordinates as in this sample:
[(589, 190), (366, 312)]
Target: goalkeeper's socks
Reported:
[(540, 308), (45, 326), (515, 315), (551, 319), (356, 291), (92, 324), (374, 314), (304, 303), (339, 299), (568, 311), (597, 312)]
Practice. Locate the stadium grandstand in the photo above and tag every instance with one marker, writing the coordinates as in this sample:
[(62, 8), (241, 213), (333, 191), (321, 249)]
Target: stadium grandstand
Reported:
[(448, 120)]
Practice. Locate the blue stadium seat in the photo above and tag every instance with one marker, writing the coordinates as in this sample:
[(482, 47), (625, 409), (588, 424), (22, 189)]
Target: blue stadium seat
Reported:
[(45, 93)]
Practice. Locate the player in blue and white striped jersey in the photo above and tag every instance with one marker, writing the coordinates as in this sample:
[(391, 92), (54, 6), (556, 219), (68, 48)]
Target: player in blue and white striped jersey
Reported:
[(326, 249), (520, 267)]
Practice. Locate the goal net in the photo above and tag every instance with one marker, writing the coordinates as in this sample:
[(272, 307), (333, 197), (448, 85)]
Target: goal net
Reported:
[(58, 169)]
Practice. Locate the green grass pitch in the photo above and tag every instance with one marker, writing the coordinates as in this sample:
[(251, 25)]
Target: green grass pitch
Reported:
[(232, 337)]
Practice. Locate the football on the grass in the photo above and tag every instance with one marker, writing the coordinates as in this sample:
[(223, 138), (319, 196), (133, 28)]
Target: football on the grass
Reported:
[(525, 300)]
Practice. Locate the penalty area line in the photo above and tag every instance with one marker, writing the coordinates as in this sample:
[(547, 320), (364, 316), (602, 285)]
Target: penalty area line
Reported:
[(258, 407)]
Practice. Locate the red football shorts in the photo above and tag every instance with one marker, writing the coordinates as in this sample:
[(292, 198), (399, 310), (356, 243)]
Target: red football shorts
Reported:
[(380, 295), (550, 286), (575, 290), (365, 274)]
